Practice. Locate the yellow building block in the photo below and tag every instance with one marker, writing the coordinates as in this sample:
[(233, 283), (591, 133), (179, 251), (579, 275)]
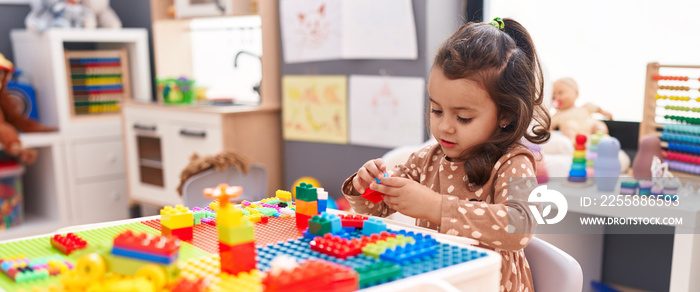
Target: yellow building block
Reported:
[(229, 216), (176, 217), (255, 218), (579, 154), (307, 208), (236, 235), (284, 195), (214, 206)]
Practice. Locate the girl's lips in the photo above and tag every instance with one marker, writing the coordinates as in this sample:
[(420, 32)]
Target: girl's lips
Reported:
[(447, 144)]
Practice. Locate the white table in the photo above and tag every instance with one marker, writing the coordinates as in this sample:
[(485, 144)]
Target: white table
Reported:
[(482, 274), (686, 244)]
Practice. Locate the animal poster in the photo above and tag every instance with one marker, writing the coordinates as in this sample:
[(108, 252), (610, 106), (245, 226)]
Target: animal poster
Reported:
[(386, 111), (314, 108), (317, 30), (311, 30)]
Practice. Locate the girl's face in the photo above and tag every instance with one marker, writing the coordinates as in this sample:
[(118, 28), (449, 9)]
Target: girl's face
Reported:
[(462, 114)]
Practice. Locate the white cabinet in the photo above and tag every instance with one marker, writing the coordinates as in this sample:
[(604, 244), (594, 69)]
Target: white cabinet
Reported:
[(161, 138), (80, 175)]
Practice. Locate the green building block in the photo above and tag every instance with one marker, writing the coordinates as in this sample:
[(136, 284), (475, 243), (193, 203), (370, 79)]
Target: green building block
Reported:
[(306, 192), (377, 273), (319, 225)]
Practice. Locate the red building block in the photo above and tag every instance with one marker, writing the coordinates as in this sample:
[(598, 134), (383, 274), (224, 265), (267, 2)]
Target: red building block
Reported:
[(184, 234), (148, 243), (303, 221), (336, 246), (352, 220), (68, 243), (237, 258), (185, 285), (372, 196), (313, 275)]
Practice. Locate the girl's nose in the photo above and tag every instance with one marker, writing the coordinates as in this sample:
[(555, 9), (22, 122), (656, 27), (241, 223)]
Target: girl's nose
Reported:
[(446, 126)]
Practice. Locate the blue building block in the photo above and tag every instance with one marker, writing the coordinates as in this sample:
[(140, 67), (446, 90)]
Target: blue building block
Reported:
[(336, 223), (401, 254), (146, 256), (373, 225), (322, 205)]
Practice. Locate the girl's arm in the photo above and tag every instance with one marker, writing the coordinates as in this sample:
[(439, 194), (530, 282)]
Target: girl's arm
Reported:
[(489, 223)]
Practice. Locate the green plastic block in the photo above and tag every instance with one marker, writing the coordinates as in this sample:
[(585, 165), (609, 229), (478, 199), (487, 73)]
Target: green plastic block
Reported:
[(377, 273), (319, 225), (306, 192)]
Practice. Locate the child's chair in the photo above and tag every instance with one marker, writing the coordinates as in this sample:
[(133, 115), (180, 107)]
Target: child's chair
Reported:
[(254, 184), (552, 269)]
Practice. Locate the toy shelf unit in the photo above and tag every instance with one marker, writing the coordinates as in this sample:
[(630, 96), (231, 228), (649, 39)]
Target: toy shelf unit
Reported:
[(672, 112), (44, 58), (98, 81), (86, 168)]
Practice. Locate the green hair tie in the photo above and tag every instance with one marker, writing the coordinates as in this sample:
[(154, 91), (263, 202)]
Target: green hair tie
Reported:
[(498, 22)]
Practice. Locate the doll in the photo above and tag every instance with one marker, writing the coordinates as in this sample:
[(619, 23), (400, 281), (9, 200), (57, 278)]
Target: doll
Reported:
[(11, 120), (571, 120)]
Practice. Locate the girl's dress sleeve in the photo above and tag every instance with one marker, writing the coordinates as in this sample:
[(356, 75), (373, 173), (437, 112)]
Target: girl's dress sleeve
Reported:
[(514, 178), (409, 169)]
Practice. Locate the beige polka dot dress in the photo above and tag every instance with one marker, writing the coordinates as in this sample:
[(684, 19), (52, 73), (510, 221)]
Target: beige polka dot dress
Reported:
[(486, 213)]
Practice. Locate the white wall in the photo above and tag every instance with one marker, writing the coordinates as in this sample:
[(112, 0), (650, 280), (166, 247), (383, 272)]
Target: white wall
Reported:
[(443, 19), (605, 45)]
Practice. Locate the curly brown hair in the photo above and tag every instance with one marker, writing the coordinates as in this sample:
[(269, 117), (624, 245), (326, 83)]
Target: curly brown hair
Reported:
[(504, 61)]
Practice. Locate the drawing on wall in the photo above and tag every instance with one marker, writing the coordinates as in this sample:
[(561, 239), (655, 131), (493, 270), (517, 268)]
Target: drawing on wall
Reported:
[(311, 30), (386, 111), (379, 30), (314, 108), (317, 30)]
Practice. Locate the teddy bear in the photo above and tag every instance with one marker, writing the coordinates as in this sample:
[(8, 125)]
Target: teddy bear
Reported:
[(101, 15), (11, 120), (570, 119)]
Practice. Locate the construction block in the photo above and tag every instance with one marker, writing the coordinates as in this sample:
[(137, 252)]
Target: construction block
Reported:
[(372, 196), (409, 252), (21, 269), (68, 243), (356, 221), (146, 256), (198, 214), (302, 221), (284, 196), (322, 199), (229, 216), (129, 266), (138, 241), (236, 235), (313, 275), (373, 225), (184, 234), (185, 285), (306, 192), (319, 225), (307, 208), (336, 246), (378, 273), (237, 258), (176, 217)]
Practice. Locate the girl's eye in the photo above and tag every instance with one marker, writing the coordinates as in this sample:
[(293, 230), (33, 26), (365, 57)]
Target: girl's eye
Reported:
[(464, 120), (436, 112)]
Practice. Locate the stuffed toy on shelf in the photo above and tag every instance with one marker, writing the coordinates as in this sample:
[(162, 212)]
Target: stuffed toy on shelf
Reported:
[(570, 119), (12, 121), (45, 14)]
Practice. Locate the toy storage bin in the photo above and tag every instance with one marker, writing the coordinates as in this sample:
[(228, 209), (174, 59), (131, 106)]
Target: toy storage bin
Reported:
[(11, 214)]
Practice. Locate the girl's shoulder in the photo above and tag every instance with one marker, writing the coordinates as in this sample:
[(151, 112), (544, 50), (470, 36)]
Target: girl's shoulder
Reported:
[(517, 155)]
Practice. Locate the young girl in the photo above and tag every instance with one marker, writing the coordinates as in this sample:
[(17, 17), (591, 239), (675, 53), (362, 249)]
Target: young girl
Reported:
[(485, 90)]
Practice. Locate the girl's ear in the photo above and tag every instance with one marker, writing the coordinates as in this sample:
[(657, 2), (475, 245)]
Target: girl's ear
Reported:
[(504, 122)]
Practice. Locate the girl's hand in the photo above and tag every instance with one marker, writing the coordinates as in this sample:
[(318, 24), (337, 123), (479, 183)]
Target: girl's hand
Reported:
[(367, 173), (410, 198)]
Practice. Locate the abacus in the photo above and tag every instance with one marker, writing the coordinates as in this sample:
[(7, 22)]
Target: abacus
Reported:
[(672, 112), (98, 81)]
